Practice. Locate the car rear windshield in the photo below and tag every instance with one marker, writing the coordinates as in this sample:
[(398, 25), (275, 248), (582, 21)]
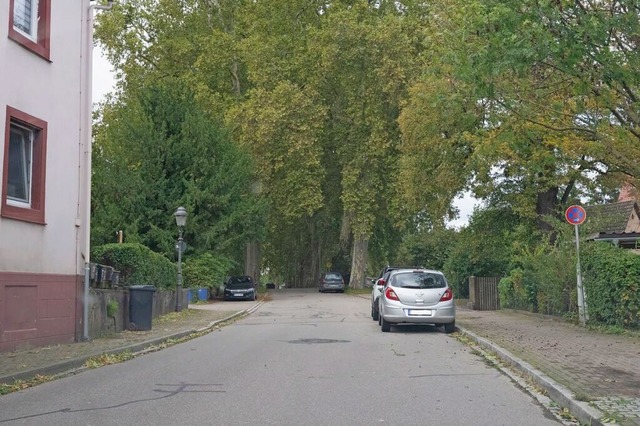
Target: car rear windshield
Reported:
[(240, 282), (419, 280), (333, 277)]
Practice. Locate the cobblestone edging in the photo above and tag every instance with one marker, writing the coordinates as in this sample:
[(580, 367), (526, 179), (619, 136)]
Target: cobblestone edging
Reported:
[(620, 409)]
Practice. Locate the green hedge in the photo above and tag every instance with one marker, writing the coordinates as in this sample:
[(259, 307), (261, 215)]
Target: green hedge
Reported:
[(137, 264), (544, 281), (511, 291), (611, 278), (206, 271)]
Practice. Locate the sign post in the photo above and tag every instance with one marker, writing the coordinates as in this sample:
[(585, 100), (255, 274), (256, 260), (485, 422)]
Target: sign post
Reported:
[(576, 215)]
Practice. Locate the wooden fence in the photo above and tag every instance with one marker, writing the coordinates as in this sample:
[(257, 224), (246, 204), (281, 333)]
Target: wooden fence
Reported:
[(483, 293)]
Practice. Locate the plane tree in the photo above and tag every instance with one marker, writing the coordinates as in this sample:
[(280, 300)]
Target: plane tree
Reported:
[(533, 104)]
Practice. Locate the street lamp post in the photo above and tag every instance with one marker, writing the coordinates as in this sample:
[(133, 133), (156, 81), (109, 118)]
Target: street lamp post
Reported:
[(181, 220)]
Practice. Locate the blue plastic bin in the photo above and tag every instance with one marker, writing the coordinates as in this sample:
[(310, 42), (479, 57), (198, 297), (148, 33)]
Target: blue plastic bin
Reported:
[(203, 294)]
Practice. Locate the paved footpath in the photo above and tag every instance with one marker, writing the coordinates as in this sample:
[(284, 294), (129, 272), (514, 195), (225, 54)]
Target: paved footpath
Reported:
[(595, 375), (57, 359)]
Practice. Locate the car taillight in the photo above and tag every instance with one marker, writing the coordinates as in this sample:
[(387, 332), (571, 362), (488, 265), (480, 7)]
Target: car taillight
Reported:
[(390, 294), (448, 295), (381, 282)]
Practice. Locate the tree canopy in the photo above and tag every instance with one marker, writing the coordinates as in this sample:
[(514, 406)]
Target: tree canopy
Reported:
[(331, 130), (533, 101), (157, 150)]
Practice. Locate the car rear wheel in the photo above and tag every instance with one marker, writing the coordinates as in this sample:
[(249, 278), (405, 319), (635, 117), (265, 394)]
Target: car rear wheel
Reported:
[(386, 325), (375, 314), (450, 327)]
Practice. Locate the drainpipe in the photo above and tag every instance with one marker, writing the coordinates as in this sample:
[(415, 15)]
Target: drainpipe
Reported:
[(88, 108)]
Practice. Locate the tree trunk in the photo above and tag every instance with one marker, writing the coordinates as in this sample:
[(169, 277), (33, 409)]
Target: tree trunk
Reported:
[(359, 261), (252, 261), (345, 229), (546, 205), (315, 262)]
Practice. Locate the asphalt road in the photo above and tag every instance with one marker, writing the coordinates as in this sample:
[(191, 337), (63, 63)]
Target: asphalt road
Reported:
[(303, 358)]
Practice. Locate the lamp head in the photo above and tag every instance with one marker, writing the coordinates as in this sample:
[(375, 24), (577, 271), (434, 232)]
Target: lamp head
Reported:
[(181, 217)]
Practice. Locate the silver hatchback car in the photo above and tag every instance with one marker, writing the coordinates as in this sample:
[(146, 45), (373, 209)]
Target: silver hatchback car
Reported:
[(417, 296), (331, 281)]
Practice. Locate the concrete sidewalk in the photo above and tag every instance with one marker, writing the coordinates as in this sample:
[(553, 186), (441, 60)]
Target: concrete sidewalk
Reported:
[(70, 358), (596, 376)]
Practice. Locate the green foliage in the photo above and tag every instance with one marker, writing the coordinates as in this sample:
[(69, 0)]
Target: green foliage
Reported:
[(180, 157), (555, 282), (541, 282), (366, 119), (539, 279), (429, 249), (510, 291), (525, 103), (483, 248), (112, 308), (281, 128), (137, 264), (206, 271), (610, 278)]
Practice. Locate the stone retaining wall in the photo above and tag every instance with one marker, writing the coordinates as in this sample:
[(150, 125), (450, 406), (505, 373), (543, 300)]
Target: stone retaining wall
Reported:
[(100, 324)]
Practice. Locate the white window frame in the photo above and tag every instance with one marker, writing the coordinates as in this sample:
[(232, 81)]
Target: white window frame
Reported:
[(27, 136)]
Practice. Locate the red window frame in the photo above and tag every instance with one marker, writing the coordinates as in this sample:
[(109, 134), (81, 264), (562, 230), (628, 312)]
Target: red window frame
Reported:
[(41, 47), (35, 212)]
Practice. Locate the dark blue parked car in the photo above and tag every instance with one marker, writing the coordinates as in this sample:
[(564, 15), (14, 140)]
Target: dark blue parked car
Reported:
[(240, 288)]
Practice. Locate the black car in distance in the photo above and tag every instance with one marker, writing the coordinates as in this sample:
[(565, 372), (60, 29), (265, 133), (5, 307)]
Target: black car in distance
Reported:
[(240, 288)]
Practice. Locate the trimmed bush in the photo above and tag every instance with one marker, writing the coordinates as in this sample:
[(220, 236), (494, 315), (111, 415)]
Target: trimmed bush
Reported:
[(206, 271), (611, 278), (511, 291), (543, 282), (137, 264)]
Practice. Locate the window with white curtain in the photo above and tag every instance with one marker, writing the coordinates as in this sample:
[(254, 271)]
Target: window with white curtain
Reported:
[(25, 18), (30, 24)]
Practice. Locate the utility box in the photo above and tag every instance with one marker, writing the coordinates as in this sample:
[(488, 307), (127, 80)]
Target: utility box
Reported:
[(141, 307)]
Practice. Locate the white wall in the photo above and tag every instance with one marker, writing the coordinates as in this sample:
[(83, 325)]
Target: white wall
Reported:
[(51, 91)]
